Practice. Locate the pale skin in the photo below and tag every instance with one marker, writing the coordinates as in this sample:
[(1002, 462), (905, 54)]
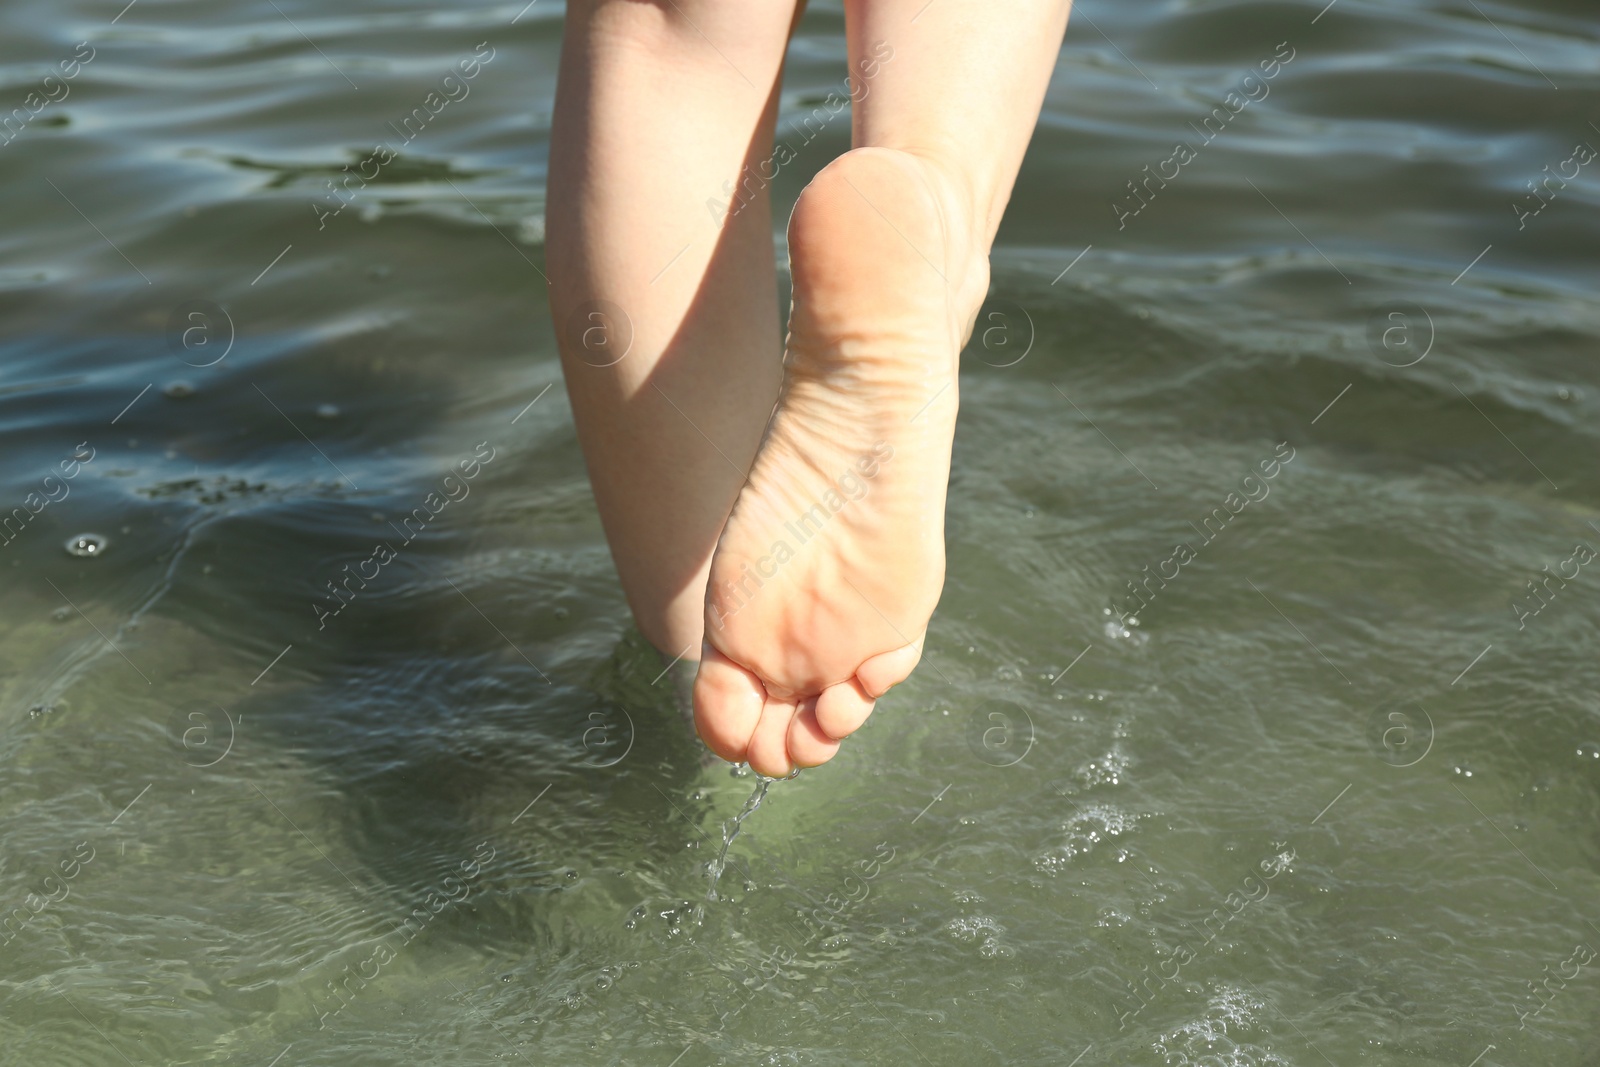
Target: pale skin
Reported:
[(776, 508)]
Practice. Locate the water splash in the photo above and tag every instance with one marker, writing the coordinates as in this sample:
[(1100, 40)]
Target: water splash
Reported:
[(732, 828)]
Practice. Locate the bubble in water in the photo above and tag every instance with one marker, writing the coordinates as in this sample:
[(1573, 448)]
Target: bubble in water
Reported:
[(178, 390), (1108, 769), (86, 545), (1589, 750), (981, 927), (1277, 864), (1085, 829), (328, 411), (1125, 629)]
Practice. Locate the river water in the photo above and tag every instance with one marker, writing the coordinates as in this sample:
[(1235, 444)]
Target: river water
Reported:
[(1242, 736)]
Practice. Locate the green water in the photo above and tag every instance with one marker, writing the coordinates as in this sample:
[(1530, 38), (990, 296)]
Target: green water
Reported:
[(1331, 799)]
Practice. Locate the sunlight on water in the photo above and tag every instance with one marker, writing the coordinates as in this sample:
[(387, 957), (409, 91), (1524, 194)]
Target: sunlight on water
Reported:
[(1256, 725)]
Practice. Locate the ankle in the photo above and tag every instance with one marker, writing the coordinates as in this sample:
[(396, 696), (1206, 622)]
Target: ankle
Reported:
[(966, 215)]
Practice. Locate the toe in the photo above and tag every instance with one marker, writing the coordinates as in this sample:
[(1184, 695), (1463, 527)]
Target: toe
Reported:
[(842, 708), (809, 744), (769, 745), (727, 705), (882, 672)]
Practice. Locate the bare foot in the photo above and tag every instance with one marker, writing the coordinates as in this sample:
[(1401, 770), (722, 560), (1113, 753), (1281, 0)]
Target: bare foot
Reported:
[(833, 558)]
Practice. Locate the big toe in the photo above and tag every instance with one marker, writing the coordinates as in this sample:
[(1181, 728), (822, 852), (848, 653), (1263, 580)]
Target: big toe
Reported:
[(727, 705)]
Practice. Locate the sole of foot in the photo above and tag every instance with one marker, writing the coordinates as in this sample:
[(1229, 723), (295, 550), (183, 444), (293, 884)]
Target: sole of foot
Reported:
[(832, 560)]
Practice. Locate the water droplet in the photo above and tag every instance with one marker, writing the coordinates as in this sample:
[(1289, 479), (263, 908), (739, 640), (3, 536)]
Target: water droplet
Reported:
[(178, 390), (730, 830), (328, 411), (86, 545)]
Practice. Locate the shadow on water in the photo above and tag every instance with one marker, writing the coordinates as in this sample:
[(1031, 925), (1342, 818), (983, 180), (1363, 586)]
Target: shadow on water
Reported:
[(429, 704)]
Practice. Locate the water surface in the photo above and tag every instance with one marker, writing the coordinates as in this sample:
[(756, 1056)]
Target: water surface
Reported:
[(1325, 791)]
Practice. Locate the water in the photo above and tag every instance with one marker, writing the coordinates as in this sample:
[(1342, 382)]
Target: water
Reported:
[(733, 827), (1332, 798)]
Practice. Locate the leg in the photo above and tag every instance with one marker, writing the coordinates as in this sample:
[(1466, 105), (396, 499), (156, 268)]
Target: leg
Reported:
[(833, 559), (659, 105)]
